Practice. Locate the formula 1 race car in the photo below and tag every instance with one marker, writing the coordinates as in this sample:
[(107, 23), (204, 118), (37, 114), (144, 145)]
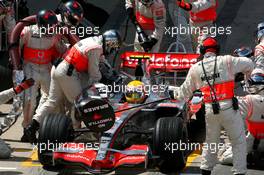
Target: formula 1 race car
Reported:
[(146, 135)]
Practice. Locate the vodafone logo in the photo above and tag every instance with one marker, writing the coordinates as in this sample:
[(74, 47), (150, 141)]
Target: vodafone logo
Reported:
[(169, 60), (161, 60)]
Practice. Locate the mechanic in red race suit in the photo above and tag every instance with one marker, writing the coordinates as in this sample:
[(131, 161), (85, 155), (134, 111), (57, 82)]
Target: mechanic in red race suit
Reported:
[(70, 15), (202, 15), (39, 48), (4, 97), (251, 108), (7, 21), (83, 57), (214, 75), (151, 16)]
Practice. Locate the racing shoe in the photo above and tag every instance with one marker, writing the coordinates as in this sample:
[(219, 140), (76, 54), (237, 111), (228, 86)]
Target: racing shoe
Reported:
[(24, 137), (30, 132), (206, 172)]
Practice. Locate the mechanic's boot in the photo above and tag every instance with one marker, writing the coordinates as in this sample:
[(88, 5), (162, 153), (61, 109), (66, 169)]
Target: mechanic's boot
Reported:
[(205, 172), (30, 132), (24, 137)]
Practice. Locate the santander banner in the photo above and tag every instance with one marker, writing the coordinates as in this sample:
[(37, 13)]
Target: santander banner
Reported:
[(160, 61)]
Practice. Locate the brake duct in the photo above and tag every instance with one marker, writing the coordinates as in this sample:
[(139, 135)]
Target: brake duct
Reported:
[(14, 51)]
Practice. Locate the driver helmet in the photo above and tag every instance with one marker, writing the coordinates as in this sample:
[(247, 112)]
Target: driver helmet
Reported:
[(72, 11), (255, 84), (243, 52), (260, 26), (147, 2), (135, 92)]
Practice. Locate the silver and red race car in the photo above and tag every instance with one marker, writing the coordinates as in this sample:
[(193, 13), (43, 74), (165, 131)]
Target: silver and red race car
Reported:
[(119, 134)]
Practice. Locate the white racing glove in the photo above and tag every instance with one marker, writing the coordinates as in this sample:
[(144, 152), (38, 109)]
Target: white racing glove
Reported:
[(103, 89), (173, 91), (18, 76), (227, 157)]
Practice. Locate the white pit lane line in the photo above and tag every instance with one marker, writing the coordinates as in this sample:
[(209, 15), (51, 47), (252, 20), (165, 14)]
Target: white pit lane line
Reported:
[(7, 168)]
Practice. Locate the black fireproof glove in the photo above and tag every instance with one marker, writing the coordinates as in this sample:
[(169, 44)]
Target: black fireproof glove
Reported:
[(149, 44), (171, 94), (130, 13)]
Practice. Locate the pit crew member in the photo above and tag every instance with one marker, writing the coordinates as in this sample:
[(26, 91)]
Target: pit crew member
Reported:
[(83, 57), (7, 21), (151, 16), (251, 108), (4, 97), (202, 15), (214, 75), (38, 51), (259, 49)]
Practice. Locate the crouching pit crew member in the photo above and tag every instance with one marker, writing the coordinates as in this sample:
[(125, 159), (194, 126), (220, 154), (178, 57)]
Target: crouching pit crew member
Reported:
[(84, 56)]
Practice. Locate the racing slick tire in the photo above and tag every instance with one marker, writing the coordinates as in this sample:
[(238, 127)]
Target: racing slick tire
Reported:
[(170, 131), (55, 129)]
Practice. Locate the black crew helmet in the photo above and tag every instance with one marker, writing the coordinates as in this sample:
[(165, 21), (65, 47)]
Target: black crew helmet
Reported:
[(73, 12), (46, 18)]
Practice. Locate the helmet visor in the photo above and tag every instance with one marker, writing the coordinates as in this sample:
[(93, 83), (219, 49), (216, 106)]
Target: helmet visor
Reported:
[(146, 2), (134, 94), (256, 79), (245, 52)]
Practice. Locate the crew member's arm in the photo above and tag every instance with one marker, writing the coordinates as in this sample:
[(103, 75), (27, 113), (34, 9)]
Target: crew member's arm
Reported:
[(196, 6), (18, 75), (185, 91), (245, 106), (159, 15), (259, 50), (24, 36), (6, 95), (130, 4), (60, 47), (9, 21), (93, 69), (259, 55), (241, 64)]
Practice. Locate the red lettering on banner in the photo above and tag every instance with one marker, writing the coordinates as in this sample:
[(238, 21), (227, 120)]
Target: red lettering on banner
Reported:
[(160, 61)]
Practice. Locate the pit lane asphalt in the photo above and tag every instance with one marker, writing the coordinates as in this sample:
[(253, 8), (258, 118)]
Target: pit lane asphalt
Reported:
[(24, 159), (242, 15)]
